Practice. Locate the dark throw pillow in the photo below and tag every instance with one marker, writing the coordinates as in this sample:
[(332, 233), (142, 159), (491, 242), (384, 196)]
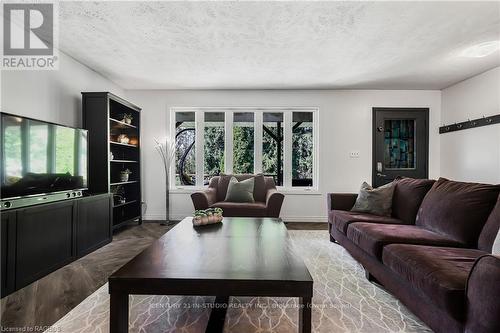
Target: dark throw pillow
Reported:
[(376, 201), (240, 191)]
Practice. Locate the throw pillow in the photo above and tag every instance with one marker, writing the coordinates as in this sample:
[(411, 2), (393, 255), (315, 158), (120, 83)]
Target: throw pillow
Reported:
[(376, 201), (240, 191), (496, 245)]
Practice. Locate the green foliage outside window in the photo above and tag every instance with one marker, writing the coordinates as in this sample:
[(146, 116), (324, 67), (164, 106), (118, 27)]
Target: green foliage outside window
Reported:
[(243, 149), (65, 154), (214, 151), (302, 152)]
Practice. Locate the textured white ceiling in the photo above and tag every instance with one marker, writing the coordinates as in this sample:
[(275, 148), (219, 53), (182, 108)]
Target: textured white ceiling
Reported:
[(280, 45)]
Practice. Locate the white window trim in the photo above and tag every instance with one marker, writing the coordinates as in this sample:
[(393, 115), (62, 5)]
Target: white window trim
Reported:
[(228, 144)]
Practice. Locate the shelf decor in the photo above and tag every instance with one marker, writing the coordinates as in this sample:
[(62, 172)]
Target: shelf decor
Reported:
[(124, 175), (127, 118), (114, 126), (123, 138)]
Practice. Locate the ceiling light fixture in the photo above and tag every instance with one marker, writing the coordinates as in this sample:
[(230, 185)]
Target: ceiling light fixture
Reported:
[(482, 49)]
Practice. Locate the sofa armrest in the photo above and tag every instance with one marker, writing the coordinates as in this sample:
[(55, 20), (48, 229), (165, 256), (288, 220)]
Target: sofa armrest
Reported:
[(340, 201), (483, 295), (204, 199), (274, 200)]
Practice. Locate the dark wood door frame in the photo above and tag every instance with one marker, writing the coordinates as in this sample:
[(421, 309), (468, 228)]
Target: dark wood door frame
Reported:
[(425, 158)]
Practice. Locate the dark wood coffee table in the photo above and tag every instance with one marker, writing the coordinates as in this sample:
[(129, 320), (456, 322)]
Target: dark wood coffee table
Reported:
[(239, 257)]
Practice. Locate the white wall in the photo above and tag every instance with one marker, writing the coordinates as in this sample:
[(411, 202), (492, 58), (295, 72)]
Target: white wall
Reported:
[(53, 96), (345, 124), (472, 154)]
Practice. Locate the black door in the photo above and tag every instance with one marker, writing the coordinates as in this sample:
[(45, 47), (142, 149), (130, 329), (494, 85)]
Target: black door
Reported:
[(400, 144)]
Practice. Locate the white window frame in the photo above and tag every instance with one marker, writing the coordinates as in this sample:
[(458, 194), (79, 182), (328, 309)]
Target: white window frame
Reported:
[(258, 135)]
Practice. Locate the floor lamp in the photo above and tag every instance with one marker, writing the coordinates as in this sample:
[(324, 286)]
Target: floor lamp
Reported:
[(167, 153)]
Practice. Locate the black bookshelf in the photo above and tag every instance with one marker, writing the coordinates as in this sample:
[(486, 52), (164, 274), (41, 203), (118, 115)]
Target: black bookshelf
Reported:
[(110, 153)]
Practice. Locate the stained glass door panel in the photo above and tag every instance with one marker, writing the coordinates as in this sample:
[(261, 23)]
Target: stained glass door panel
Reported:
[(399, 144)]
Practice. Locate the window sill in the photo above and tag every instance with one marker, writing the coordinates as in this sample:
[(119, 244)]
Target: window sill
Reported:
[(287, 191), (301, 191), (186, 190)]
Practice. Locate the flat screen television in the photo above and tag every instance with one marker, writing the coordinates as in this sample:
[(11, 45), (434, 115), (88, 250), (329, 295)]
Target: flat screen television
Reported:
[(40, 158)]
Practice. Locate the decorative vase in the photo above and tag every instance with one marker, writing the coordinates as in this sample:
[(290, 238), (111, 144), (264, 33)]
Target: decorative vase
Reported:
[(124, 177), (127, 121), (122, 138)]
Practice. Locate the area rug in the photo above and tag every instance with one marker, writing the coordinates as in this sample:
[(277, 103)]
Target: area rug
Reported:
[(344, 301)]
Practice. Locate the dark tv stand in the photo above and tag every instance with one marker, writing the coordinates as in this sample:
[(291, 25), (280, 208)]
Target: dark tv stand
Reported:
[(38, 240)]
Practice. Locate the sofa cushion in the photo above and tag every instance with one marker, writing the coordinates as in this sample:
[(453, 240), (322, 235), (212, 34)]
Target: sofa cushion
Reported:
[(372, 237), (439, 273), (458, 210), (259, 190), (341, 219), (490, 230), (255, 209), (408, 195)]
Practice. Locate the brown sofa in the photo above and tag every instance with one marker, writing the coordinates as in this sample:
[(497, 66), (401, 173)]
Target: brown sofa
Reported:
[(267, 203), (433, 253)]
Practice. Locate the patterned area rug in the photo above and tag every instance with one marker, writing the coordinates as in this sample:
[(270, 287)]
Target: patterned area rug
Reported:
[(344, 301)]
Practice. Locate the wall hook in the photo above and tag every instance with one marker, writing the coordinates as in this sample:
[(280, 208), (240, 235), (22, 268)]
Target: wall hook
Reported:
[(479, 122)]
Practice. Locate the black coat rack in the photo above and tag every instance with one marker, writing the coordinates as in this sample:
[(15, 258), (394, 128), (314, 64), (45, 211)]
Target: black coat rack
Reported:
[(479, 122)]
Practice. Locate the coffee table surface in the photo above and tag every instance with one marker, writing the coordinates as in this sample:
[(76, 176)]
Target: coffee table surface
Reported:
[(252, 249)]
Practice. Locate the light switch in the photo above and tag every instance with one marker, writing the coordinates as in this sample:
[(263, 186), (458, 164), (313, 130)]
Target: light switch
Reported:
[(354, 154)]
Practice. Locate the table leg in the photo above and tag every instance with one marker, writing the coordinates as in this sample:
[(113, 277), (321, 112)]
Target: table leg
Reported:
[(305, 315), (218, 314), (118, 313)]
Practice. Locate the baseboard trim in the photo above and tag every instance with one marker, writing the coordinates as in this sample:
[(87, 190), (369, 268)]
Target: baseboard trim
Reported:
[(305, 219), (284, 218)]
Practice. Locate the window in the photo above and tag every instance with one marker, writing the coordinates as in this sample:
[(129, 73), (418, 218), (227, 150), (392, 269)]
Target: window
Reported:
[(272, 146), (278, 142), (185, 157), (302, 149), (213, 140), (243, 142)]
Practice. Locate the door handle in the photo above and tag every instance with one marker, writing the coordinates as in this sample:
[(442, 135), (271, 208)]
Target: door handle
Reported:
[(381, 175)]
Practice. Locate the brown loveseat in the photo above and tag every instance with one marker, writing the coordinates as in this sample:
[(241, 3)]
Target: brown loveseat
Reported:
[(433, 253), (267, 203)]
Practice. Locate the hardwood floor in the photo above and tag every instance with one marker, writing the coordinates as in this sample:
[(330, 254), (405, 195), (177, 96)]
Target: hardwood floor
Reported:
[(307, 225), (47, 300)]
